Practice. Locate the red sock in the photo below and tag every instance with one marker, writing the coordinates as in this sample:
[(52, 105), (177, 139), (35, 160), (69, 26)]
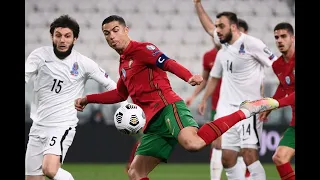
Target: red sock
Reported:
[(145, 178), (287, 101), (214, 129), (286, 172)]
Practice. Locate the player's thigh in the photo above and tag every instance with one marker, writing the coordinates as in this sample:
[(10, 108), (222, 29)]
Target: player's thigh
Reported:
[(34, 152), (156, 140), (58, 142), (177, 116), (250, 131), (142, 165), (288, 139)]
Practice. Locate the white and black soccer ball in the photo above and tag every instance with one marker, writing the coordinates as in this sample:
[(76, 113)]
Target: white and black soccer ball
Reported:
[(129, 119)]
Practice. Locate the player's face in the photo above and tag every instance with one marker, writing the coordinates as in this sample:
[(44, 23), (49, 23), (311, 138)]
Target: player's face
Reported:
[(116, 35), (284, 40), (63, 39), (224, 29)]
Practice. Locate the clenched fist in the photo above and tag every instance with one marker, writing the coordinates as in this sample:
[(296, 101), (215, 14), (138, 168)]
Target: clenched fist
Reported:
[(80, 103), (195, 80)]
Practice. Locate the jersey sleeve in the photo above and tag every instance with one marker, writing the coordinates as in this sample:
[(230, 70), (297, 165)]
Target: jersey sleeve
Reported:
[(152, 56), (31, 65), (98, 74), (261, 52), (216, 70)]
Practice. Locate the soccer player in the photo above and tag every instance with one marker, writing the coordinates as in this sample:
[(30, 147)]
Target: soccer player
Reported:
[(284, 68), (143, 77), (60, 74), (240, 63), (208, 61)]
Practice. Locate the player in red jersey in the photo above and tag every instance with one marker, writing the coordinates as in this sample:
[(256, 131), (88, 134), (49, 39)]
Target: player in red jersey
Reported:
[(143, 77), (208, 61), (284, 68)]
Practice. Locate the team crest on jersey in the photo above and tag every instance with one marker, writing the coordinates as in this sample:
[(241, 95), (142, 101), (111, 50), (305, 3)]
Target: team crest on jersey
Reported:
[(74, 70), (287, 78), (123, 73), (241, 50)]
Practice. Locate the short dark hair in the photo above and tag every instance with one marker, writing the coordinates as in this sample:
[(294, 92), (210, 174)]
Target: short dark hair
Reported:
[(243, 24), (286, 26), (114, 18), (231, 16), (65, 21)]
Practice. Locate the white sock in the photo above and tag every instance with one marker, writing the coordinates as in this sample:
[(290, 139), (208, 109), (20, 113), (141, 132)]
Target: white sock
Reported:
[(235, 172), (243, 165), (63, 175), (216, 164), (257, 171)]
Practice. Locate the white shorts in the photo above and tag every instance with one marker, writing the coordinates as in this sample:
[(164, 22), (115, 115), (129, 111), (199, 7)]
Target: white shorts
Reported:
[(46, 141), (244, 134)]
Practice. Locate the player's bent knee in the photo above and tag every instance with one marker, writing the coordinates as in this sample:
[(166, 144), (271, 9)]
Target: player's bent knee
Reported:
[(189, 139)]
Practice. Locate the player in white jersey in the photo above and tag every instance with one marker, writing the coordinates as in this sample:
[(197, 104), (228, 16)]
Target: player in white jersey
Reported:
[(60, 74), (240, 63)]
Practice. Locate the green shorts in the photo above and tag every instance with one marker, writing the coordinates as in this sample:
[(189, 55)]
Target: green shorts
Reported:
[(213, 112), (288, 138), (160, 137)]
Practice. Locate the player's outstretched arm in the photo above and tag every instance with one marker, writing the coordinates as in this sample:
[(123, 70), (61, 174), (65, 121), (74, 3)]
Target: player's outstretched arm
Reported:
[(198, 89), (205, 20), (31, 65), (110, 97), (211, 86)]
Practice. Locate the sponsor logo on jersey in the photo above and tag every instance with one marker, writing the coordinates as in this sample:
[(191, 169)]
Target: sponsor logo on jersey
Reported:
[(105, 74), (241, 50), (74, 70)]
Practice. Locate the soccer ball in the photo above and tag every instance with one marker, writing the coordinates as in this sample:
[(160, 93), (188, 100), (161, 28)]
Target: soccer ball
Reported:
[(129, 119)]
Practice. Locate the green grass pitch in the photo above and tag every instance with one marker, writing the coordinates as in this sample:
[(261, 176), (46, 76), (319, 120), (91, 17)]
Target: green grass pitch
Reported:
[(162, 172)]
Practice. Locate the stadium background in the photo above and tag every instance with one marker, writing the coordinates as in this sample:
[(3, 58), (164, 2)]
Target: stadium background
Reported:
[(174, 27)]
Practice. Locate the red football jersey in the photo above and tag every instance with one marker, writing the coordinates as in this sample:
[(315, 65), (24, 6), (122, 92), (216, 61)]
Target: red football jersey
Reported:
[(208, 61), (285, 72), (142, 72)]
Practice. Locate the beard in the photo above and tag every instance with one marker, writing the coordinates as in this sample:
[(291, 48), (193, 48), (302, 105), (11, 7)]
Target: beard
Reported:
[(228, 38), (59, 54)]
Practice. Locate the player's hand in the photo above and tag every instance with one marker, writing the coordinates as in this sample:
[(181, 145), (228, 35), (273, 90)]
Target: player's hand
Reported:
[(263, 116), (80, 103), (202, 107), (189, 100), (195, 80)]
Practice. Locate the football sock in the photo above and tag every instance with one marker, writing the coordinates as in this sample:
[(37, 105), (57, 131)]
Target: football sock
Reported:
[(235, 173), (286, 101), (257, 171), (216, 164), (243, 165), (286, 172), (212, 130), (145, 178), (63, 175)]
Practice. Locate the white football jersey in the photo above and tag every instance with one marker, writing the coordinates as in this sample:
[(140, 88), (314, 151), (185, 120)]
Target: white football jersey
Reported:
[(57, 83), (241, 67)]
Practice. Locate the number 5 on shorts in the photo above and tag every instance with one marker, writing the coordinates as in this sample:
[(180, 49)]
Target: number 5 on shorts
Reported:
[(53, 141)]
